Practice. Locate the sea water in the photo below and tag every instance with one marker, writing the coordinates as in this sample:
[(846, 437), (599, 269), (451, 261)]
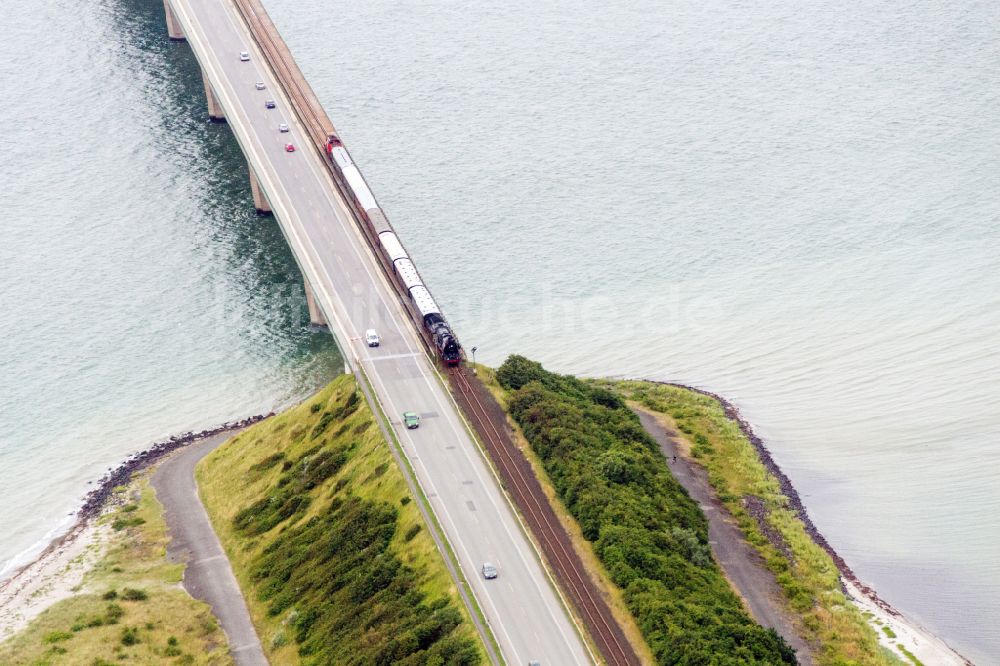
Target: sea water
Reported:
[(792, 204)]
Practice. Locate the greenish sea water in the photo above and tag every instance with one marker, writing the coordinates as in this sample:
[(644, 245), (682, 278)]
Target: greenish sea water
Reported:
[(792, 205)]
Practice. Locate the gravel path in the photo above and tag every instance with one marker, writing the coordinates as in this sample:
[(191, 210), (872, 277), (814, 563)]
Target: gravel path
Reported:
[(742, 565), (208, 575)]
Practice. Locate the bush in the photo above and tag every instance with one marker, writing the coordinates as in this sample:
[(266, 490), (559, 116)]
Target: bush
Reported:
[(650, 535), (121, 523), (130, 636), (343, 593), (132, 594), (353, 595), (112, 614)]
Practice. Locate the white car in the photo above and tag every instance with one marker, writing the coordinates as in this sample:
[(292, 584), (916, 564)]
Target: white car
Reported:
[(489, 571), (244, 56), (259, 85), (282, 127), (371, 337)]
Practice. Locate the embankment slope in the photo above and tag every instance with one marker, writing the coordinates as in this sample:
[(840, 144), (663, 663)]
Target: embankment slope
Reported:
[(327, 543)]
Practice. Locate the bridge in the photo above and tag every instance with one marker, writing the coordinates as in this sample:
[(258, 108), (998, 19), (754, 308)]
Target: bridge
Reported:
[(348, 288)]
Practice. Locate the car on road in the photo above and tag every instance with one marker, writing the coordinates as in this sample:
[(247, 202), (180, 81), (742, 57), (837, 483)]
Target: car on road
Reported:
[(269, 104), (289, 148), (244, 56), (489, 571), (371, 337), (412, 420), (534, 663), (259, 85), (282, 127)]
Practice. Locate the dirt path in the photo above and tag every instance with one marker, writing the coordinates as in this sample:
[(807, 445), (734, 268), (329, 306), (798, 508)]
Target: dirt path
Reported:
[(208, 575), (742, 565)]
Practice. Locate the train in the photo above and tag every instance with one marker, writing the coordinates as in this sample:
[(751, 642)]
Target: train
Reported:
[(448, 348)]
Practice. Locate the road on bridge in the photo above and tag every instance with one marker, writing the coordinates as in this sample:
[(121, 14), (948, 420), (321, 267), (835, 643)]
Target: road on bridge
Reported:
[(522, 606)]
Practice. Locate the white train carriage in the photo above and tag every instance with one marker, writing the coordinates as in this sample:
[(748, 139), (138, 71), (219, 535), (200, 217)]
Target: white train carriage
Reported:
[(341, 157), (365, 198), (435, 324), (407, 272), (391, 246), (423, 302), (378, 221)]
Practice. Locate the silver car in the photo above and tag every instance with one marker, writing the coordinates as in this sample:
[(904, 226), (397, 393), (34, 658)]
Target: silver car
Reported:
[(244, 56), (489, 571), (259, 85), (282, 127)]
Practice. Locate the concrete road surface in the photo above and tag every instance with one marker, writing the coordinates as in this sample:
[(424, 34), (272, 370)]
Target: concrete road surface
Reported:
[(208, 576), (521, 606)]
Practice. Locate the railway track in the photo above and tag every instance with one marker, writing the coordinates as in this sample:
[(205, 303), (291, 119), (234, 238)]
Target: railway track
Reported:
[(279, 58), (545, 526), (532, 502)]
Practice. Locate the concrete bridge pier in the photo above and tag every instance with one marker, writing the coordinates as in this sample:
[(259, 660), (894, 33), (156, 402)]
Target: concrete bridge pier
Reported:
[(173, 25), (215, 112), (315, 314), (259, 198)]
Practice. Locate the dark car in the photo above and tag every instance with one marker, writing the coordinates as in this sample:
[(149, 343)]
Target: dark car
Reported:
[(269, 104)]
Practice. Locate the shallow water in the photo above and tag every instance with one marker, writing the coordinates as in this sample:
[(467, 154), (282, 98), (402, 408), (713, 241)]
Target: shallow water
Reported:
[(793, 206), (140, 295)]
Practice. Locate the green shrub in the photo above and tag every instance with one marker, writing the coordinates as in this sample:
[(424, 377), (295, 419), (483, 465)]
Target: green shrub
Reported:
[(650, 535), (132, 594), (352, 593), (130, 636), (57, 636), (121, 523), (335, 578), (112, 614)]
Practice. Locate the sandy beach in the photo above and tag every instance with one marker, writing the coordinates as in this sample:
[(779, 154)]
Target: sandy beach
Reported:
[(906, 634), (53, 576), (57, 572)]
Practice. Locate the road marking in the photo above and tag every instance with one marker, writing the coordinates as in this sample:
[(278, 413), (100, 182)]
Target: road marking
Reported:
[(214, 558), (389, 357), (390, 306)]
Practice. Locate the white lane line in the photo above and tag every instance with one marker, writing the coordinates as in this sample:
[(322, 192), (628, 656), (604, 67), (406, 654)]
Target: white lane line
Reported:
[(389, 357), (329, 192), (442, 510), (477, 464), (378, 281)]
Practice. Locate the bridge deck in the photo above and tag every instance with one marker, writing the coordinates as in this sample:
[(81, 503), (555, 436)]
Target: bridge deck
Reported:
[(522, 607)]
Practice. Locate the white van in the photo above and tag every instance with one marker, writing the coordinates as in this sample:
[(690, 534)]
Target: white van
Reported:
[(371, 337)]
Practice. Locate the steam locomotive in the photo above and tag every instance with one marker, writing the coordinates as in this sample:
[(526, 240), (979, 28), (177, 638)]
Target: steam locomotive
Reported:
[(435, 323)]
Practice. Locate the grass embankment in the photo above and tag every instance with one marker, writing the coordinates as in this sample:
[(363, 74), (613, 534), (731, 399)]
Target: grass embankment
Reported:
[(330, 550), (130, 608), (806, 573), (649, 535)]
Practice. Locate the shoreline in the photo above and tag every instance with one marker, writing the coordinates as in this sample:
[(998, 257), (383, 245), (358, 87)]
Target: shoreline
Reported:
[(96, 499), (918, 639)]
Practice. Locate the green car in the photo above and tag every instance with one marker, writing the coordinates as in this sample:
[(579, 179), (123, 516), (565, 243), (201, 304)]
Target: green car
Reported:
[(411, 419)]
